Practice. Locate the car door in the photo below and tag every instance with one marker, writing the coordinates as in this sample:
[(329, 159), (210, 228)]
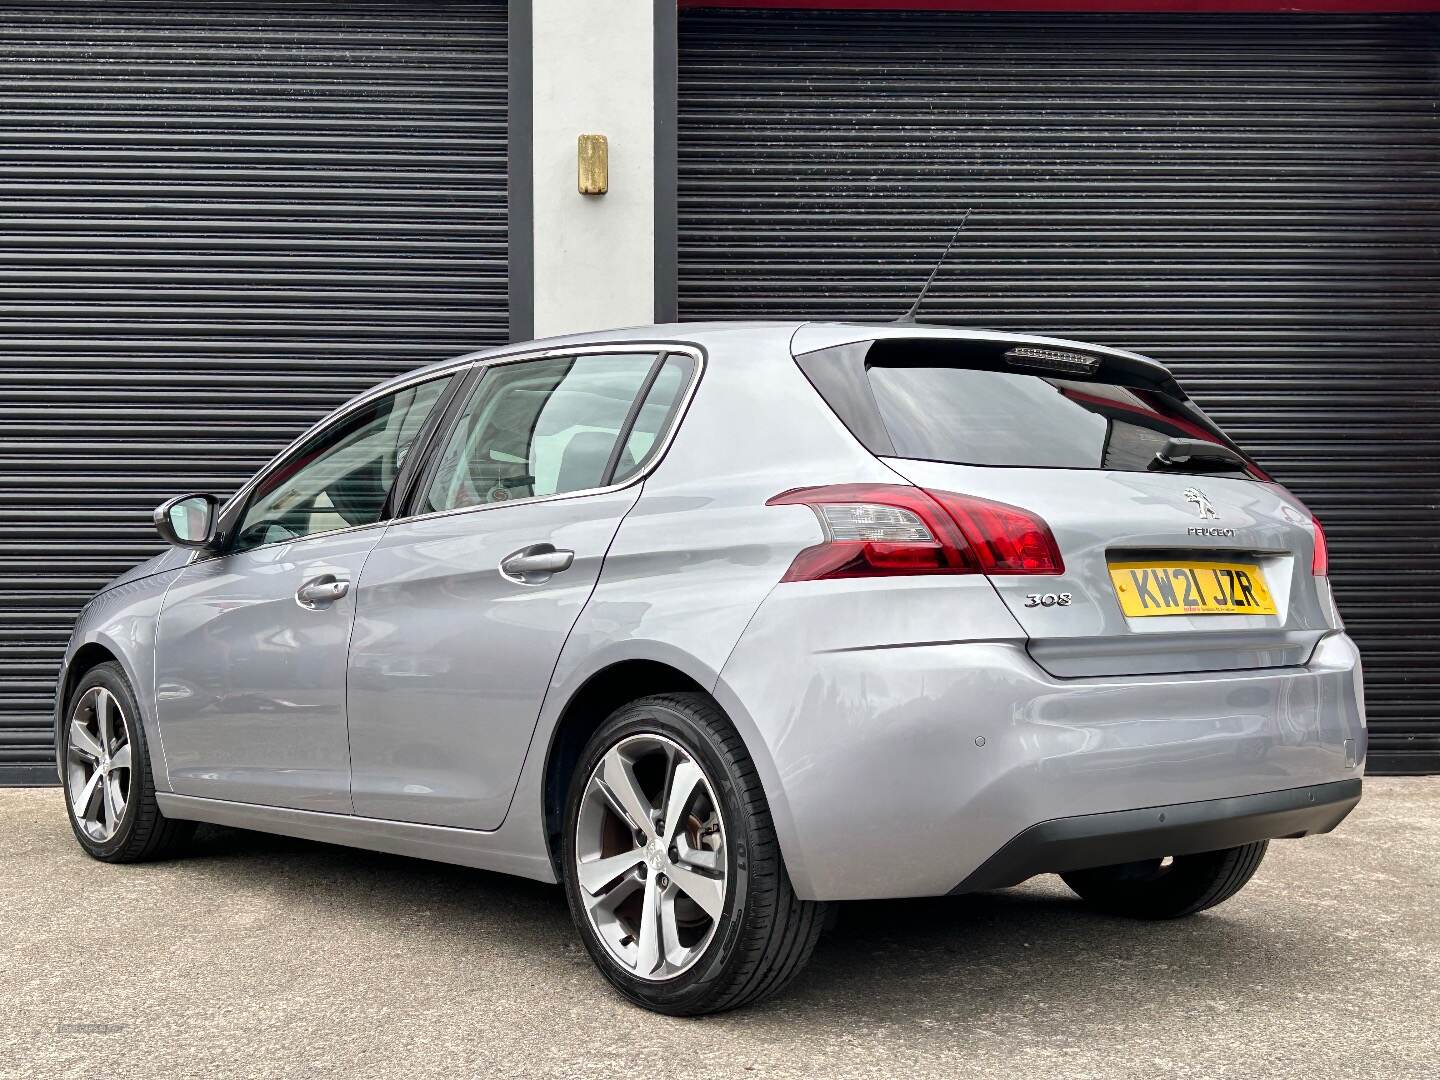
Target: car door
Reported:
[(464, 606), (251, 643)]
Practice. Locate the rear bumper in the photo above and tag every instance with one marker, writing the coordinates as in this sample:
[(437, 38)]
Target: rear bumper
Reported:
[(902, 770), (1121, 836)]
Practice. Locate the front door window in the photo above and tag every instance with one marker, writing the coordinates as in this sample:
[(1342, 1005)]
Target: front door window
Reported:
[(341, 477)]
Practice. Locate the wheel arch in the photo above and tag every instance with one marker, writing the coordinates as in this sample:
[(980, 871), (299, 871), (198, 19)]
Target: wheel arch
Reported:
[(98, 648), (627, 679), (588, 707), (86, 658), (83, 660)]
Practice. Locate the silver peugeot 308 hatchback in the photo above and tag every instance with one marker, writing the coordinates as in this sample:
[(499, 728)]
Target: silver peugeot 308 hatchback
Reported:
[(715, 624)]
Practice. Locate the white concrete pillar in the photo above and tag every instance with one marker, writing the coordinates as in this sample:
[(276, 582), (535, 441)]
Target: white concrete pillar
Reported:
[(592, 70)]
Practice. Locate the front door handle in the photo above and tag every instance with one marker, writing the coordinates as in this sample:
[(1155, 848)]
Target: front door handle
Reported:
[(535, 564), (318, 591)]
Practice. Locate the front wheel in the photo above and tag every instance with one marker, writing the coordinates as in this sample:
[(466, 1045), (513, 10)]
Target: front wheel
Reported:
[(109, 790), (671, 865), (1168, 888)]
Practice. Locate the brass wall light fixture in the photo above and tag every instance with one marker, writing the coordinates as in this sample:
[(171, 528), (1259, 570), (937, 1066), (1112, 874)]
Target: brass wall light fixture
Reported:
[(594, 165)]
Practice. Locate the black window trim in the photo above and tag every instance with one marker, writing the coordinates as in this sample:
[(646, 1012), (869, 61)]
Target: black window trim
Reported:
[(627, 426), (417, 462)]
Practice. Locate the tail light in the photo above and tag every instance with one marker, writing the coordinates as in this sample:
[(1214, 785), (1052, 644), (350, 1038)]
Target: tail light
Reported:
[(1320, 561), (881, 530)]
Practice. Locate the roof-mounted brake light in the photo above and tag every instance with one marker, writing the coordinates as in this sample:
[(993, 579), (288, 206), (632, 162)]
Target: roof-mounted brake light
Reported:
[(1052, 360)]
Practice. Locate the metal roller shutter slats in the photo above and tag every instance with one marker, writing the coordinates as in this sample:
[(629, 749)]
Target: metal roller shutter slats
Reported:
[(217, 221), (1255, 201)]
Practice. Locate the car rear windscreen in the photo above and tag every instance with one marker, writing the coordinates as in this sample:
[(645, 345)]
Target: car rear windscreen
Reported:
[(970, 406)]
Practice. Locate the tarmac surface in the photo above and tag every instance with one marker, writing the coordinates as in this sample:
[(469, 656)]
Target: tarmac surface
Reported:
[(261, 956)]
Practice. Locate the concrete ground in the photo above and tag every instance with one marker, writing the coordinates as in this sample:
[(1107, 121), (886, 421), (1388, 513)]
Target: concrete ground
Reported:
[(266, 957)]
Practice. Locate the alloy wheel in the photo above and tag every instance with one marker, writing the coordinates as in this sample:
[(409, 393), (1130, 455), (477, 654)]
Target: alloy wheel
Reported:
[(650, 856), (97, 763)]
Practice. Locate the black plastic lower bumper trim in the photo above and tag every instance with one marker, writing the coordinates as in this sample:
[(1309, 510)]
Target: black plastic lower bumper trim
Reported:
[(1090, 840)]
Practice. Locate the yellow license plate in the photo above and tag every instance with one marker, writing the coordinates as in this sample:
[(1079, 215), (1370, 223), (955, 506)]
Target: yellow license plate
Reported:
[(1191, 588)]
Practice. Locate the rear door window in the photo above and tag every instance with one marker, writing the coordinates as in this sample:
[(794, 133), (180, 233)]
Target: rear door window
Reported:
[(555, 426)]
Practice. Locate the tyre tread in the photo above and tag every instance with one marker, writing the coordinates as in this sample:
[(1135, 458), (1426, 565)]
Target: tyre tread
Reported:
[(792, 931)]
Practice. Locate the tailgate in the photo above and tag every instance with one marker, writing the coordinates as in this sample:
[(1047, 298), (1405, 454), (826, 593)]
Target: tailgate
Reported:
[(1240, 548)]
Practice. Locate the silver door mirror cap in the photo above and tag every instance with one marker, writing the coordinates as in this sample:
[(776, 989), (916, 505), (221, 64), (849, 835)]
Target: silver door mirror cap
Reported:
[(188, 521)]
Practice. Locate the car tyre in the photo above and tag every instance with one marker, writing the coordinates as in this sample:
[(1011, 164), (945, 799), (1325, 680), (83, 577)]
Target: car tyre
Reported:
[(1156, 889), (763, 935), (116, 817)]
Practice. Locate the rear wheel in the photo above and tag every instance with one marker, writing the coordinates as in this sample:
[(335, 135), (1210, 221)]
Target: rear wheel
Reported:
[(671, 865), (1168, 888), (109, 790)]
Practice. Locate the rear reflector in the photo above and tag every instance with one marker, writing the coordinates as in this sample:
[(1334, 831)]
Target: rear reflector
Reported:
[(1320, 560), (881, 530)]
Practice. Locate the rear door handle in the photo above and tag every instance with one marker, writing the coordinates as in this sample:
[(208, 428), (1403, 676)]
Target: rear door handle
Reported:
[(318, 591), (535, 564)]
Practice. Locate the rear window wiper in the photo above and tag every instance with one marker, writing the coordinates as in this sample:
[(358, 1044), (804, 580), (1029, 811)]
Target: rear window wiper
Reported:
[(1197, 454)]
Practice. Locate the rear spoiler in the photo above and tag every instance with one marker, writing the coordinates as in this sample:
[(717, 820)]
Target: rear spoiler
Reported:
[(985, 348)]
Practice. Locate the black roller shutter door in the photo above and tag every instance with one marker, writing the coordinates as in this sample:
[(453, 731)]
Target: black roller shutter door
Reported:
[(217, 221), (1254, 201)]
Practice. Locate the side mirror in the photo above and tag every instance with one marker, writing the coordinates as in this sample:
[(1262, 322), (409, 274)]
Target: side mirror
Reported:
[(188, 521)]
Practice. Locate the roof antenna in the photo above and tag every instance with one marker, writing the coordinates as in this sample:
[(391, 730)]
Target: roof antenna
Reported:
[(909, 317)]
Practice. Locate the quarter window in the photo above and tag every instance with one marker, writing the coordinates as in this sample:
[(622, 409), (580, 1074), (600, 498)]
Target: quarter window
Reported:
[(340, 477), (548, 427)]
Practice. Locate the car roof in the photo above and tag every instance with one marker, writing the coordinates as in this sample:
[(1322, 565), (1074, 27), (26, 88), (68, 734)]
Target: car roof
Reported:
[(798, 335)]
